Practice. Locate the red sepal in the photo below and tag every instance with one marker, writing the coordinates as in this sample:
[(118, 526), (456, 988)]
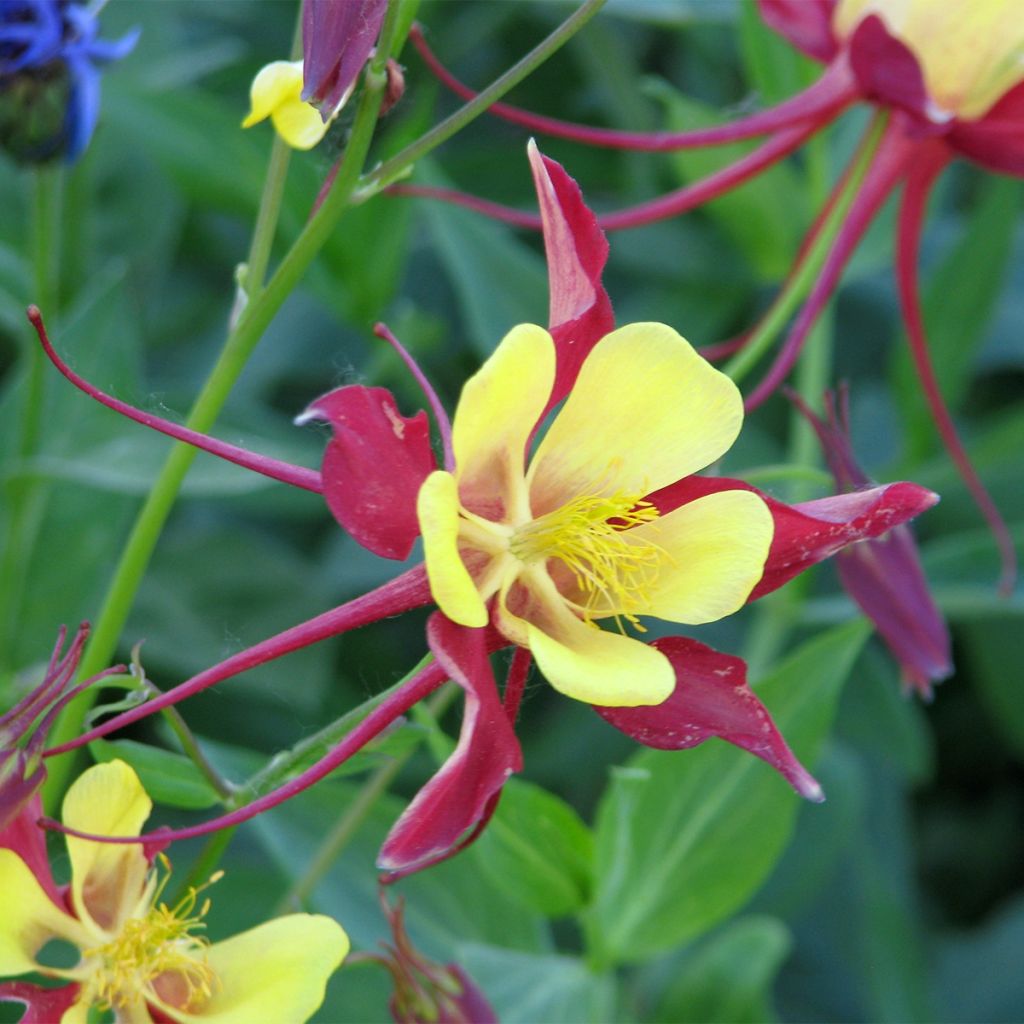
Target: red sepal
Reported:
[(373, 466), (814, 530), (458, 796), (42, 1005), (711, 698), (995, 141), (577, 251), (889, 73), (807, 24)]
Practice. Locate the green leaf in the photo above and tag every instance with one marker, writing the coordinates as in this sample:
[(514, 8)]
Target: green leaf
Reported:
[(729, 979), (169, 778), (683, 850), (538, 851), (524, 988), (993, 648), (776, 68)]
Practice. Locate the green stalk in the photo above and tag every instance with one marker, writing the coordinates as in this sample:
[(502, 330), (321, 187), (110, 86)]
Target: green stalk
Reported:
[(800, 284), (27, 497), (778, 612), (246, 332)]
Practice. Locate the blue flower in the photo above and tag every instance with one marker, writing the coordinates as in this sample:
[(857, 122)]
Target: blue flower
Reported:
[(50, 60)]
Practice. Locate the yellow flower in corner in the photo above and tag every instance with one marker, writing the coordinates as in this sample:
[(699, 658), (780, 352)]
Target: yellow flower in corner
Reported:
[(576, 537), (277, 93), (137, 956)]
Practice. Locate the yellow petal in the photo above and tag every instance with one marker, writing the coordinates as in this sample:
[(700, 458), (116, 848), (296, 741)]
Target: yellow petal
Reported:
[(29, 918), (496, 414), (715, 550), (107, 879), (646, 411), (588, 663), (452, 587), (971, 52), (276, 83), (275, 973), (299, 124)]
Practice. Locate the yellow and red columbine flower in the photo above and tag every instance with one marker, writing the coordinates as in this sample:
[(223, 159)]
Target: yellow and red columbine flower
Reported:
[(137, 956), (609, 519), (573, 539)]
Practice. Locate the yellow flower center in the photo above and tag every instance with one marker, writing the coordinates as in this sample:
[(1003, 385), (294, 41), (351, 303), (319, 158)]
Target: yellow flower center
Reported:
[(589, 535), (160, 945)]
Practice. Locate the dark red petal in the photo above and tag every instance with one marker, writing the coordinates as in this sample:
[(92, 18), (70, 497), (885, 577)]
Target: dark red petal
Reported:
[(711, 698), (337, 38), (43, 1005), (374, 466), (814, 530), (577, 250), (995, 141), (889, 72), (807, 24), (457, 797), (884, 576)]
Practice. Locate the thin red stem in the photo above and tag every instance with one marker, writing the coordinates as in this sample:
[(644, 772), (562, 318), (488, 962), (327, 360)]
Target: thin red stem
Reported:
[(670, 205), (908, 239), (407, 591), (420, 686), (821, 102), (285, 472), (889, 163), (444, 425)]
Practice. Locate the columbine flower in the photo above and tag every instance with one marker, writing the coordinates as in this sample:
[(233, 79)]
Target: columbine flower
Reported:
[(949, 76), (574, 538), (426, 992), (599, 525), (138, 956), (303, 97), (50, 60), (884, 576)]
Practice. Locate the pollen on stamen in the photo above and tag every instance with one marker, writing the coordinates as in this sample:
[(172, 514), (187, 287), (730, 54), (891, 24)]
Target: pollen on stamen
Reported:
[(589, 536), (159, 948)]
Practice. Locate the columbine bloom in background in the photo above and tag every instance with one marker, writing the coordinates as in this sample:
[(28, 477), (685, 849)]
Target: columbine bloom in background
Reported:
[(884, 576), (302, 98), (541, 551), (24, 728), (949, 76), (50, 61), (139, 957), (426, 992)]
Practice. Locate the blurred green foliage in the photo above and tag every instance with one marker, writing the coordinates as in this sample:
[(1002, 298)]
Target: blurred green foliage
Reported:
[(902, 897)]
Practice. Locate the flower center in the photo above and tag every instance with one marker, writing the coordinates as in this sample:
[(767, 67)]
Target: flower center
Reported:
[(590, 536), (160, 944)]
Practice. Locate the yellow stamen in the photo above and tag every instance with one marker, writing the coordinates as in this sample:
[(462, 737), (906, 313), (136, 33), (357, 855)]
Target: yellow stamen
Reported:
[(589, 535), (160, 943)]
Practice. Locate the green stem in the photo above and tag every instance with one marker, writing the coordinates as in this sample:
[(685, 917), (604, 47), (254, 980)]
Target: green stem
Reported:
[(348, 824), (800, 284), (27, 496), (207, 861), (778, 612), (395, 167), (190, 745)]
